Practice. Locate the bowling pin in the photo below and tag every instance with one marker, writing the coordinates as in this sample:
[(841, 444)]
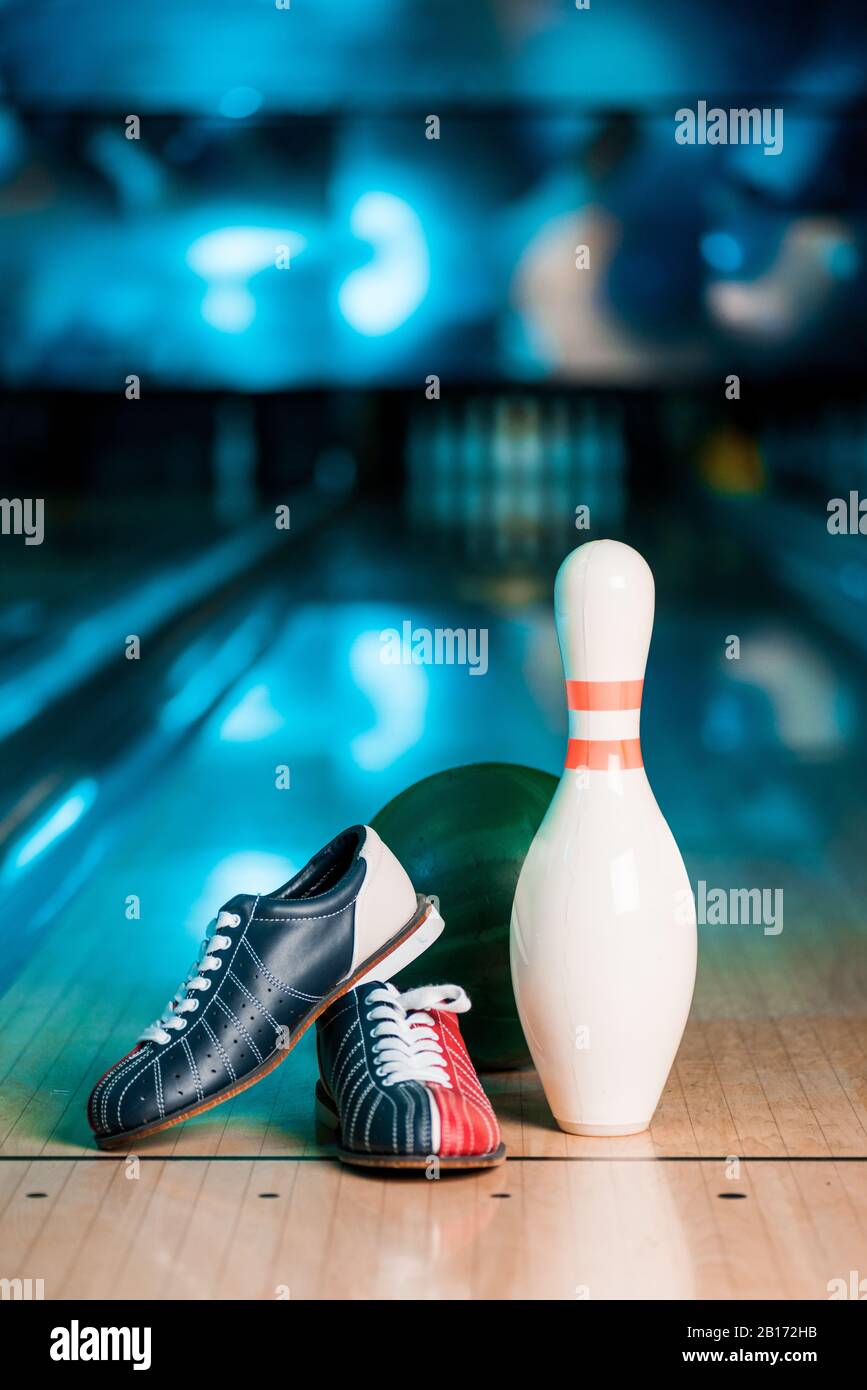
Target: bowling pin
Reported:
[(603, 935)]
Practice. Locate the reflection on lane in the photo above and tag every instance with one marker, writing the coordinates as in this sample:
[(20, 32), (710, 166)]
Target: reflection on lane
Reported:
[(745, 757), (398, 696), (61, 817)]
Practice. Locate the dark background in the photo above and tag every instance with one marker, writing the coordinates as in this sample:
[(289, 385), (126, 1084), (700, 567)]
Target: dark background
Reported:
[(305, 386)]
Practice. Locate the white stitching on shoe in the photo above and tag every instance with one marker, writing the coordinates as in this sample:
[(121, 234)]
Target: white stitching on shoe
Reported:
[(240, 1027), (351, 1111), (253, 1000), (108, 1078), (343, 1080), (122, 1070), (167, 1048), (335, 1013), (158, 1086), (474, 1096), (370, 1068), (194, 1071), (371, 1114), (311, 917), (144, 1054), (276, 981), (219, 1046), (131, 1082), (352, 1048)]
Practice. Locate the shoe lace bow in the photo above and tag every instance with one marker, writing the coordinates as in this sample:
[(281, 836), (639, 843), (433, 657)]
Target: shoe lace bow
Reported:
[(408, 1046)]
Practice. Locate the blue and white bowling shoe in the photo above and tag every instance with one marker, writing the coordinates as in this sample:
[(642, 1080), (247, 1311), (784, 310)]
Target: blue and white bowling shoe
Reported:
[(271, 965)]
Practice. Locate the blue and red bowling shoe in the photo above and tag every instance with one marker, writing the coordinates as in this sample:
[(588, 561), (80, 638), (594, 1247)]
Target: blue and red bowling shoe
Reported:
[(397, 1083)]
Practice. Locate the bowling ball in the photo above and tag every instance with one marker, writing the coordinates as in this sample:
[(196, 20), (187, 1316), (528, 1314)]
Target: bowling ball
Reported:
[(462, 836)]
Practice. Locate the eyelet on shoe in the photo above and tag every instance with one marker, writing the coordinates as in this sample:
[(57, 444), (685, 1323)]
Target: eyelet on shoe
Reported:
[(206, 986), (236, 920)]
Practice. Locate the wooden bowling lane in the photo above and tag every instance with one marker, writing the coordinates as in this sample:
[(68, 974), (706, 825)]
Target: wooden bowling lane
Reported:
[(773, 1062), (543, 1229), (773, 1067), (759, 1087)]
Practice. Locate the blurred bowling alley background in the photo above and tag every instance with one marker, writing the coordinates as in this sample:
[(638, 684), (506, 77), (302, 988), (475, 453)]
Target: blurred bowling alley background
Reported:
[(336, 273)]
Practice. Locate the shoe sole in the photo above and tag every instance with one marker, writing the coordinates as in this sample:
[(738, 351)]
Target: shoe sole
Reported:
[(329, 1119), (420, 932)]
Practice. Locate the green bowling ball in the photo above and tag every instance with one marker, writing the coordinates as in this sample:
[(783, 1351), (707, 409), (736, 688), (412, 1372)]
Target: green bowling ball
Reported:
[(462, 836)]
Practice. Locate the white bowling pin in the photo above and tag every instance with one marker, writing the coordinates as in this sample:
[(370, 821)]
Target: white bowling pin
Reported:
[(603, 922)]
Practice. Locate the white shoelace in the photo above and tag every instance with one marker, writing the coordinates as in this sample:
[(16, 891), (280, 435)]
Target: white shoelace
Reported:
[(408, 1046), (180, 1004)]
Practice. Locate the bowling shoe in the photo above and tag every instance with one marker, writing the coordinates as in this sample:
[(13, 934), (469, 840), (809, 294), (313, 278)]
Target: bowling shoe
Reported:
[(270, 966), (396, 1083)]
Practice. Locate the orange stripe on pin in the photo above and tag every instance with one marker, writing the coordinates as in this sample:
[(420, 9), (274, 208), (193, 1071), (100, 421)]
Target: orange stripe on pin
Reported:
[(600, 695), (604, 755)]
